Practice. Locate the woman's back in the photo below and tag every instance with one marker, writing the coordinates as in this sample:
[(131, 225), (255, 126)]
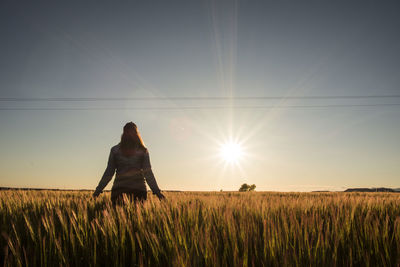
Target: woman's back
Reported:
[(131, 171), (126, 163), (131, 161)]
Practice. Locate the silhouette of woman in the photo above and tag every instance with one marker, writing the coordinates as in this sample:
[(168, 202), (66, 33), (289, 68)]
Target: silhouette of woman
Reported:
[(130, 159)]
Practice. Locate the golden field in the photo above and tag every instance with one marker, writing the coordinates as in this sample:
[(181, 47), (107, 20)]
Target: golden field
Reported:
[(70, 228)]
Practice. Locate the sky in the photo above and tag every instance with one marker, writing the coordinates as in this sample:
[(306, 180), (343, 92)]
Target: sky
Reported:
[(72, 73)]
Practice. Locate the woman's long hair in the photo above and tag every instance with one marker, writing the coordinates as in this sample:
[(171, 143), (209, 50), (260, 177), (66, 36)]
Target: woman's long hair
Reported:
[(131, 140)]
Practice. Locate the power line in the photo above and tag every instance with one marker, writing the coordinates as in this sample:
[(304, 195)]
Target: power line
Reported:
[(195, 98), (207, 107)]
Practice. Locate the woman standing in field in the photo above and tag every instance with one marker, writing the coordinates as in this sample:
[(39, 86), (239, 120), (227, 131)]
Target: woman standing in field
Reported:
[(130, 159)]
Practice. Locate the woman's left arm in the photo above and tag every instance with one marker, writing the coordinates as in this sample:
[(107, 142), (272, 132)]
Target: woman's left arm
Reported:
[(149, 176)]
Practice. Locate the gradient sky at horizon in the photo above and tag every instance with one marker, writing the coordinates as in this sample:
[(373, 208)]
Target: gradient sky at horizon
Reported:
[(79, 49)]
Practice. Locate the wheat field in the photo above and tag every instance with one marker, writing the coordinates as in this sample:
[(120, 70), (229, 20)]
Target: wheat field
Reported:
[(70, 228)]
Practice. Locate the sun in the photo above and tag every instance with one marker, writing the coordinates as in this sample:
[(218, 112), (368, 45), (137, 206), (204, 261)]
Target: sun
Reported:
[(231, 152)]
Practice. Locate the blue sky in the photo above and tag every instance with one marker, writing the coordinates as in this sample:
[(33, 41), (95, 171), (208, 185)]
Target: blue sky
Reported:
[(168, 49)]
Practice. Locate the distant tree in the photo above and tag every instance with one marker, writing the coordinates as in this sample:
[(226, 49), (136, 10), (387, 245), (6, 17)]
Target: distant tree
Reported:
[(244, 188), (252, 187)]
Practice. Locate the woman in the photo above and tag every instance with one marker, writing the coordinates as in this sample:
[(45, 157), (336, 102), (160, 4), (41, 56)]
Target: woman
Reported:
[(131, 161)]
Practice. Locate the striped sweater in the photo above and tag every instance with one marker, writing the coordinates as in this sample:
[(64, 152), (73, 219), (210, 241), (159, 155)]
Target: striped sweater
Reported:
[(131, 172)]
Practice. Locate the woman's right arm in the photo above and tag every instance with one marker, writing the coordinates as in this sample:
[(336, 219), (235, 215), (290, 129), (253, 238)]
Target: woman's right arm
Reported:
[(107, 176)]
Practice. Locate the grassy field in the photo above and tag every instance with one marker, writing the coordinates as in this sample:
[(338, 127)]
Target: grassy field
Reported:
[(200, 229)]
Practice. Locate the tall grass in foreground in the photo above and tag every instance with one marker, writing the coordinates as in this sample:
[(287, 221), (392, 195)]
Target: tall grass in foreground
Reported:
[(200, 229)]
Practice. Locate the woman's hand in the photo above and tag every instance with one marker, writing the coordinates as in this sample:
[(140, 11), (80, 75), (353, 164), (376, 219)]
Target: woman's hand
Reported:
[(160, 196)]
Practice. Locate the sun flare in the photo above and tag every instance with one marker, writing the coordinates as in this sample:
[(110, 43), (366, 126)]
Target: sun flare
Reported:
[(231, 152)]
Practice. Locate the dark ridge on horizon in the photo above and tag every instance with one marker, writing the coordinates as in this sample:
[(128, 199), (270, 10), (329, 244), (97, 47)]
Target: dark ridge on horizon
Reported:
[(378, 189)]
